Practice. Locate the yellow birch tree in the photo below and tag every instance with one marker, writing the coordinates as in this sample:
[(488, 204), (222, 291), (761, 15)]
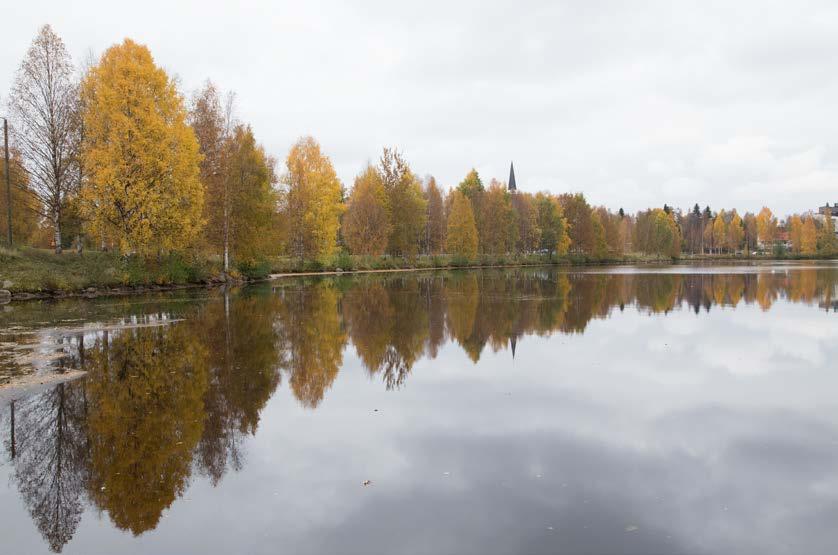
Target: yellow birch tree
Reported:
[(461, 239), (808, 237), (366, 225), (141, 158), (313, 200)]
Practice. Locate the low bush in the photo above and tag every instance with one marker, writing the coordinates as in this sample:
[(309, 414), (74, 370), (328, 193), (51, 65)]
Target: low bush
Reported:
[(254, 269)]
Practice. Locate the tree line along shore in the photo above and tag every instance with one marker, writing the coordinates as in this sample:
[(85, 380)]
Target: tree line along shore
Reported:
[(146, 185)]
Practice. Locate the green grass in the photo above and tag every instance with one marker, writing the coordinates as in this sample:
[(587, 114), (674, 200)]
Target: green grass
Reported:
[(37, 270), (347, 263)]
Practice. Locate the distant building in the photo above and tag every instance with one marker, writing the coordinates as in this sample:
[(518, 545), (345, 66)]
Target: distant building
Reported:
[(782, 238), (512, 187), (828, 211)]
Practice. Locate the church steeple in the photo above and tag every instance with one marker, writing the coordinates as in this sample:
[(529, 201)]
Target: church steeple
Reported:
[(512, 187)]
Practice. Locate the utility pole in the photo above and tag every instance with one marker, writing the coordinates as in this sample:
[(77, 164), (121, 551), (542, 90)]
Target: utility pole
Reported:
[(8, 181)]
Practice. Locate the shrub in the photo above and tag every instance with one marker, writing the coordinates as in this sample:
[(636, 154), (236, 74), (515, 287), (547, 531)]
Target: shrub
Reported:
[(343, 261), (254, 269), (459, 261)]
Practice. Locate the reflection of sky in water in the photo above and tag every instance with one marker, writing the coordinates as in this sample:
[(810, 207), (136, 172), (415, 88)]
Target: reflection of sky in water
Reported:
[(685, 433)]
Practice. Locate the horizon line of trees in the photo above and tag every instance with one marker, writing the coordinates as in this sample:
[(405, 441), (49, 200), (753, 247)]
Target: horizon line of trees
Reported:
[(115, 157)]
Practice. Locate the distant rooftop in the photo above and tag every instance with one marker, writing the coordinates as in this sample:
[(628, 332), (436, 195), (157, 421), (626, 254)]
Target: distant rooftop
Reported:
[(827, 209)]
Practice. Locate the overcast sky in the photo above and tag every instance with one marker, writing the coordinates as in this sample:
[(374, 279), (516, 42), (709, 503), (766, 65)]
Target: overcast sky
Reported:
[(732, 104)]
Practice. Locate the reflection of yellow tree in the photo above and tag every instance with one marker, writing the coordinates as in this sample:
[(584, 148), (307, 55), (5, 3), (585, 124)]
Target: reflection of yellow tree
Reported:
[(145, 389), (410, 331), (766, 293), (313, 337), (802, 285), (718, 289), (463, 296), (553, 305), (735, 289), (369, 317), (583, 296), (658, 292), (243, 374), (389, 325)]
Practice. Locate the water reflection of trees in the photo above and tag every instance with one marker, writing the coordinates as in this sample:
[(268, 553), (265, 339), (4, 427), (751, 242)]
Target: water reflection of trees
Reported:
[(51, 459), (394, 321), (244, 359), (163, 398), (145, 388), (312, 338), (159, 397)]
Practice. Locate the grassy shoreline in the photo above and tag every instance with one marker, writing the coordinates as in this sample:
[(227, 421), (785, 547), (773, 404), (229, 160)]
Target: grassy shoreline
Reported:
[(37, 274)]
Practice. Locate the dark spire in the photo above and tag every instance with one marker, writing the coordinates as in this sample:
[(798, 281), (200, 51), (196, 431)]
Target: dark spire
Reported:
[(513, 341), (512, 186)]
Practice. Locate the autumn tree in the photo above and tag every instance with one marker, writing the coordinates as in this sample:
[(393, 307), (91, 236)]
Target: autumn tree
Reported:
[(693, 226), (313, 200), (142, 183), (707, 236), (735, 232), (600, 245), (526, 217), (461, 239), (611, 226), (808, 236), (766, 227), (249, 211), (720, 230), (435, 228), (554, 236), (43, 108), (657, 232), (25, 210), (751, 232), (211, 119), (497, 230), (406, 204), (472, 187), (366, 224), (795, 228), (706, 229), (625, 230), (577, 213)]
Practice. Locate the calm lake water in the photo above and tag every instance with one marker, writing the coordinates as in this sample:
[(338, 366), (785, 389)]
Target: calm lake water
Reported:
[(682, 409)]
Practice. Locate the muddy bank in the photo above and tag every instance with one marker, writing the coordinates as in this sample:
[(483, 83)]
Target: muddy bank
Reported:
[(95, 292)]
